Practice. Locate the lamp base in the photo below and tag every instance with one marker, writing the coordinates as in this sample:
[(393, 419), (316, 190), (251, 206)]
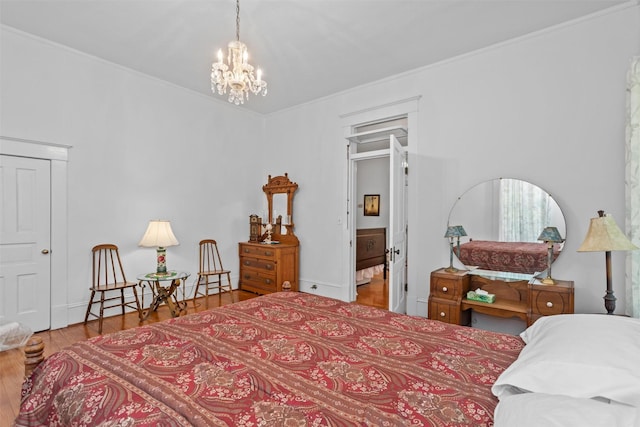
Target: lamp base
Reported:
[(610, 302), (162, 261), (451, 270), (548, 281), (609, 298)]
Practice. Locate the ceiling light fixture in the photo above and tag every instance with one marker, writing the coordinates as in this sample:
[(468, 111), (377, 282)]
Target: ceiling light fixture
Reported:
[(239, 79)]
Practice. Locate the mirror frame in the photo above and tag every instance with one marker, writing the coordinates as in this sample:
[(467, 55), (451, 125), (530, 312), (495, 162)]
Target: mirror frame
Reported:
[(281, 185), (456, 217)]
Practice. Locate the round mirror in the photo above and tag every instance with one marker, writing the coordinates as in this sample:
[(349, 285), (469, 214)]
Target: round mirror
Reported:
[(503, 220)]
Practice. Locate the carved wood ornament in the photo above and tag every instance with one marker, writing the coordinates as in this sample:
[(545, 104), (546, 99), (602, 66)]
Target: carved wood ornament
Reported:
[(281, 185)]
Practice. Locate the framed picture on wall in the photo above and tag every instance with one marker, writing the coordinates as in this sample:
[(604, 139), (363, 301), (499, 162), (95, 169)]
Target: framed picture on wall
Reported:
[(371, 205)]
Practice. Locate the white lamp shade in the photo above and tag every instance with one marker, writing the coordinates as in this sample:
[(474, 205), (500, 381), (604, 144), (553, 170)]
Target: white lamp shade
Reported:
[(158, 234)]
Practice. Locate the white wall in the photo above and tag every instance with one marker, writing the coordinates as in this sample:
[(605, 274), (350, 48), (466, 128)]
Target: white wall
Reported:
[(142, 149), (548, 108)]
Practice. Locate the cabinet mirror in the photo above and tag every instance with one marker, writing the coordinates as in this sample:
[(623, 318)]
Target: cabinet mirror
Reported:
[(279, 191), (503, 219)]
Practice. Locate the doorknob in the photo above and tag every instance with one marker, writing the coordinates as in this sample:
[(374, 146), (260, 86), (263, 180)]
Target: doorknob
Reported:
[(397, 251), (45, 251)]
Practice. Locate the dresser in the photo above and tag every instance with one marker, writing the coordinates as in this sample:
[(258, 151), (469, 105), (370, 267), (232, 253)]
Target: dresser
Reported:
[(264, 267), (527, 299)]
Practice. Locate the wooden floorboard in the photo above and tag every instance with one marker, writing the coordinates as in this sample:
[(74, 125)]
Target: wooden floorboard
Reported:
[(12, 361), (375, 293)]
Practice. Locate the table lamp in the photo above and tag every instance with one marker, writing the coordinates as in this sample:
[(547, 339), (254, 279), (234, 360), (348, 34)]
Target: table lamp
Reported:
[(604, 235), (550, 235), (453, 231), (159, 235)]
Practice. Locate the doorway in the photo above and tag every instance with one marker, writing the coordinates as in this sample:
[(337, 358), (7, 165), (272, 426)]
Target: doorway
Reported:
[(378, 167), (25, 241), (372, 184), (56, 156)]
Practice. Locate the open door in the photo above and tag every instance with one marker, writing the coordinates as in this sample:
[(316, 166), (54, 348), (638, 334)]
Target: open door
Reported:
[(387, 147), (397, 236)]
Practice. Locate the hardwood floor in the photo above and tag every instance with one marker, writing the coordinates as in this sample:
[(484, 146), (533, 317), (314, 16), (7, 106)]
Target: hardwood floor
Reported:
[(12, 361), (374, 293)]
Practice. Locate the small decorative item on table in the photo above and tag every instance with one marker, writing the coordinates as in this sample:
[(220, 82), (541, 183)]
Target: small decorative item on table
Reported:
[(454, 231), (482, 296), (255, 228), (267, 239), (550, 235)]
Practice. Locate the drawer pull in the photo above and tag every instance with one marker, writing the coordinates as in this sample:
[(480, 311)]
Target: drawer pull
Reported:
[(246, 276), (269, 267), (442, 314), (268, 253), (246, 250), (445, 289), (247, 263), (267, 281), (549, 304)]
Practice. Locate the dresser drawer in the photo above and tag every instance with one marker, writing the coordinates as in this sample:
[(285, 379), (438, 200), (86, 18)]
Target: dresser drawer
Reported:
[(254, 278), (258, 251), (546, 303), (449, 286), (447, 312), (258, 263), (446, 288)]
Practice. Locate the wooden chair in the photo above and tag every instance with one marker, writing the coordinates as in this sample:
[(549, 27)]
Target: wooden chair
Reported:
[(108, 277), (210, 271)]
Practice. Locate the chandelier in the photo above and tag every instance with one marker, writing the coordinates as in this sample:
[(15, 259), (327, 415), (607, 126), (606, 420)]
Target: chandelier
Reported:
[(237, 73)]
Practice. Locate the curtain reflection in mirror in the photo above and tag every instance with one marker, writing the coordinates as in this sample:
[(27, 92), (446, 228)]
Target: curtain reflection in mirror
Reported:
[(524, 211)]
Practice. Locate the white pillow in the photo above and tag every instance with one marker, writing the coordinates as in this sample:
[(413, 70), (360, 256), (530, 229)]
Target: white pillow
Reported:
[(578, 355), (548, 410)]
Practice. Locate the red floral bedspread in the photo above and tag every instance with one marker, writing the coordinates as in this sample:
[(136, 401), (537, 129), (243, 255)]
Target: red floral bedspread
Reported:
[(515, 257), (285, 359)]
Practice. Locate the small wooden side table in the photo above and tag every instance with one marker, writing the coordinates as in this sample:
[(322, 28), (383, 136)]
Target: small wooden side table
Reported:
[(164, 288)]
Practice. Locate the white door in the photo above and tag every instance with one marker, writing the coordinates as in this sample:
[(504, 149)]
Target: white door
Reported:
[(398, 226), (25, 230)]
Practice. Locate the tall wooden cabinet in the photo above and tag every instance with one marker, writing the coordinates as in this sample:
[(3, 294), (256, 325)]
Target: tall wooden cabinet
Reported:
[(273, 258), (264, 268)]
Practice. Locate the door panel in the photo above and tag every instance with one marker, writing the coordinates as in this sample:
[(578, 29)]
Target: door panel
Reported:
[(25, 230), (398, 226)]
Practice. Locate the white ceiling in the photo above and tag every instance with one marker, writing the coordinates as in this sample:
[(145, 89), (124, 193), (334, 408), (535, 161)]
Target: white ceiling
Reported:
[(307, 48)]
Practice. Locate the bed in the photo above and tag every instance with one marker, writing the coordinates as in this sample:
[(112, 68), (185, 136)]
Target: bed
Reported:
[(371, 253), (515, 257), (295, 359), (576, 370), (286, 358)]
